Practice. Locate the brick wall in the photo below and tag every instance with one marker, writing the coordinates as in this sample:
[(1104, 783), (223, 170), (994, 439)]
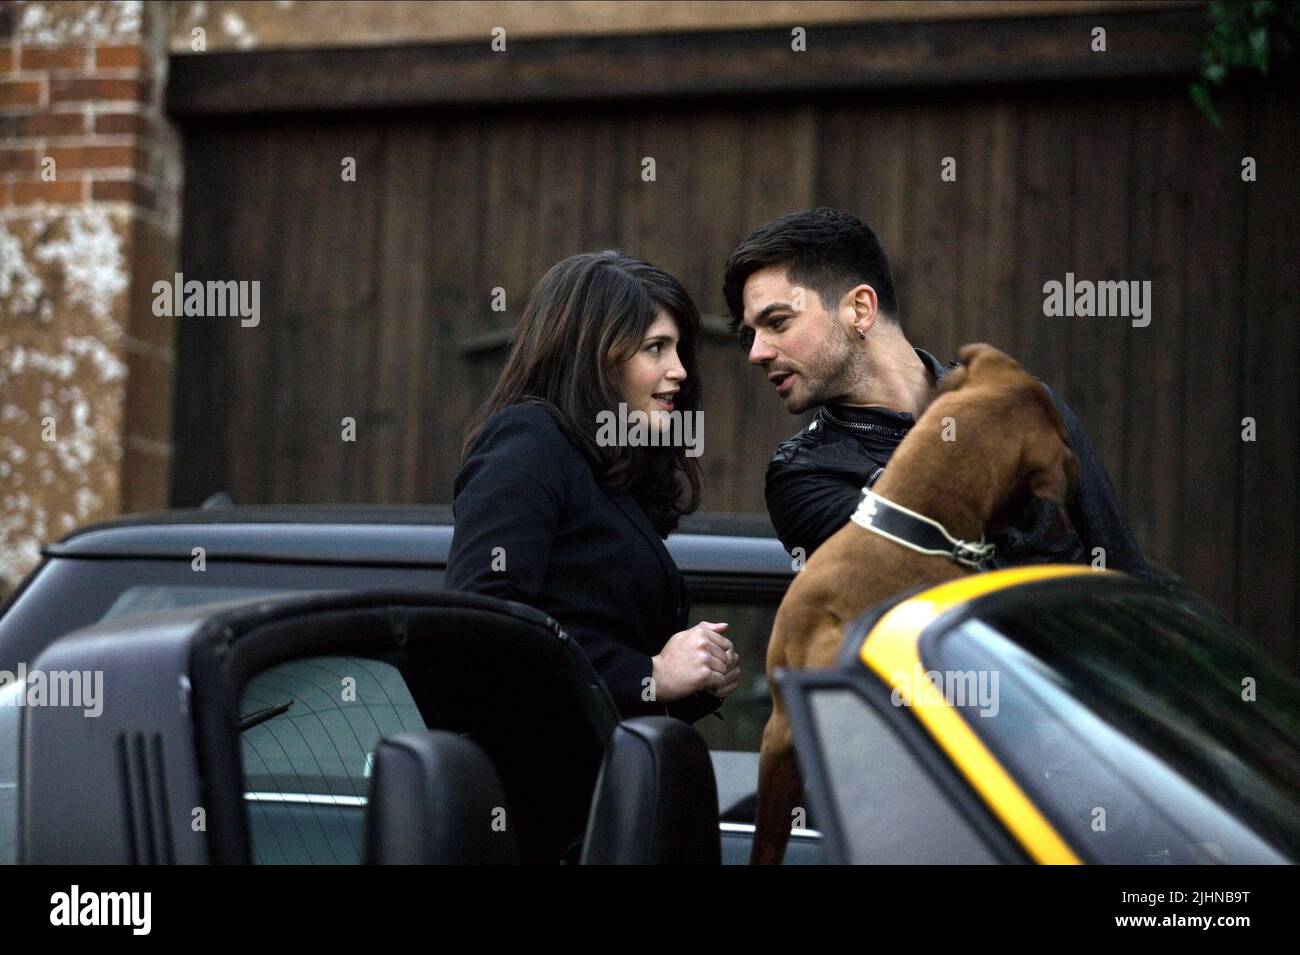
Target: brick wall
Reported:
[(89, 191)]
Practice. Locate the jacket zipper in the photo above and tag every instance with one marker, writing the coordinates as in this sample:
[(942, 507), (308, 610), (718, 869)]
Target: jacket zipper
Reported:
[(877, 428)]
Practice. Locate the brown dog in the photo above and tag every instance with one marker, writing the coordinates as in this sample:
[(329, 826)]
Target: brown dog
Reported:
[(1006, 442)]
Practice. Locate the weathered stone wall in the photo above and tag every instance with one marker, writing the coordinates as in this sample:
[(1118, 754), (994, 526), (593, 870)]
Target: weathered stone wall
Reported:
[(89, 183)]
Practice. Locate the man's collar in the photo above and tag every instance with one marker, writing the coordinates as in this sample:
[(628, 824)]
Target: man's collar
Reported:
[(900, 420)]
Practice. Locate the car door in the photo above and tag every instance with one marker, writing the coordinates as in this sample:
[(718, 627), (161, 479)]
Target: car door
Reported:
[(241, 732), (881, 790), (1052, 715)]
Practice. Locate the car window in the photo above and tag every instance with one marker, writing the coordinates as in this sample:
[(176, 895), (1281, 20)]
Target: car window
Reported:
[(735, 739), (1124, 720), (887, 806), (745, 712), (309, 731)]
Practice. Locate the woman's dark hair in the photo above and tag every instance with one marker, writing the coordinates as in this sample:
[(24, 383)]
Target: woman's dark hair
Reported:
[(587, 315), (824, 249)]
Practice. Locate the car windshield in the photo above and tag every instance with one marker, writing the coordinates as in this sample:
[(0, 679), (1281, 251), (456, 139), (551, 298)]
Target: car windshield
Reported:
[(1137, 716)]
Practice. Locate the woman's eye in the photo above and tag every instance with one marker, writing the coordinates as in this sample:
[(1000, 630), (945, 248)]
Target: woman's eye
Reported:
[(656, 347)]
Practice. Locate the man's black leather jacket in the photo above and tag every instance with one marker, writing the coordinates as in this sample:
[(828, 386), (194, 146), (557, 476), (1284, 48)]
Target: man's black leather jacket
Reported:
[(815, 481)]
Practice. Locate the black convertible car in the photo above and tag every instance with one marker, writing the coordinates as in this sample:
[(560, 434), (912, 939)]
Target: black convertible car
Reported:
[(293, 685), (307, 767)]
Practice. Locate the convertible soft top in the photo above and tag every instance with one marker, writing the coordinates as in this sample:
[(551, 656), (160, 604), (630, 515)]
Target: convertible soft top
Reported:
[(392, 535)]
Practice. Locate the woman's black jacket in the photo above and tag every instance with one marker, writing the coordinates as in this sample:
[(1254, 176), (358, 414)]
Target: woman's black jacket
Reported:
[(534, 525)]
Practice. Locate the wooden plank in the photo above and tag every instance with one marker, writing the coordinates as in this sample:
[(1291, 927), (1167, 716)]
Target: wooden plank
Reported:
[(987, 182), (1156, 428), (406, 366), (559, 193), (199, 461), (657, 223), (1044, 227), (864, 153), (464, 272), (440, 395), (778, 175), (511, 144), (1268, 608), (875, 56), (601, 148), (1094, 388), (254, 358), (934, 215), (1213, 281), (512, 153), (353, 322), (331, 303), (719, 141)]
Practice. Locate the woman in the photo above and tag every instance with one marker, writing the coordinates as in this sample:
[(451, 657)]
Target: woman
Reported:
[(548, 513)]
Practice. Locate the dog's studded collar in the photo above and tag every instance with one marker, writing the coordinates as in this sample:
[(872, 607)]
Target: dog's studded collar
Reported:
[(918, 532)]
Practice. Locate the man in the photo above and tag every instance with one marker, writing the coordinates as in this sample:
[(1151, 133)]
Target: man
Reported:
[(813, 298)]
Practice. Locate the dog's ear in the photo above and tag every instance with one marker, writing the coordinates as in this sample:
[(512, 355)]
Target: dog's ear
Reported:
[(983, 358), (1054, 480), (969, 354)]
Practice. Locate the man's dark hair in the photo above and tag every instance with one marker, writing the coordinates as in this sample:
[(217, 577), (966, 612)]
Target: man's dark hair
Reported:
[(824, 249)]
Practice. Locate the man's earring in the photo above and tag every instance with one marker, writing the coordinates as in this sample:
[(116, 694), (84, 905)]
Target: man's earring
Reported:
[(862, 334)]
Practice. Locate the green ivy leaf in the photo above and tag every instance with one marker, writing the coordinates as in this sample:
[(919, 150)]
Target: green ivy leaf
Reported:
[(1201, 97), (1259, 48)]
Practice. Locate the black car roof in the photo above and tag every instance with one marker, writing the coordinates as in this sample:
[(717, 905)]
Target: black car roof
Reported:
[(418, 535)]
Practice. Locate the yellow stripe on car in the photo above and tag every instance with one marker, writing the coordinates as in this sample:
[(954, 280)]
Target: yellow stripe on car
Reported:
[(892, 651)]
